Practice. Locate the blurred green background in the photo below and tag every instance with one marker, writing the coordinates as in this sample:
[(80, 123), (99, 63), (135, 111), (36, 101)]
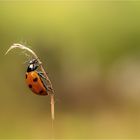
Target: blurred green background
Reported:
[(91, 50)]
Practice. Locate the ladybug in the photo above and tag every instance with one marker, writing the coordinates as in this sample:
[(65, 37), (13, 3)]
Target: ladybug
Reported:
[(35, 79)]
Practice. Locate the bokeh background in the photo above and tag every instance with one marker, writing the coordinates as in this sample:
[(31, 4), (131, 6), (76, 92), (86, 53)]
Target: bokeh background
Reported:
[(91, 50)]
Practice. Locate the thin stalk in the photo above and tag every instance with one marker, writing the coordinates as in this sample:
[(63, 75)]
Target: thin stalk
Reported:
[(42, 69)]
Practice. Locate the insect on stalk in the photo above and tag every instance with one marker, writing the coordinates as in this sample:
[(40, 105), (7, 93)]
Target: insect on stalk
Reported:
[(50, 91)]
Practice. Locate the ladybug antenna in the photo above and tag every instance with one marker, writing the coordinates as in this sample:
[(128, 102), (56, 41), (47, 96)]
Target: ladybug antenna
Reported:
[(29, 59), (33, 61), (24, 52)]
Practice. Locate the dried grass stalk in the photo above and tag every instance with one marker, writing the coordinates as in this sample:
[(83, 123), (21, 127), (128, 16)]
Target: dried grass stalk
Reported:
[(42, 69)]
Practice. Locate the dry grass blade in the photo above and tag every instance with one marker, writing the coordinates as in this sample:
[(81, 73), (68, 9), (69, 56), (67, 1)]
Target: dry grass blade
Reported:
[(41, 67)]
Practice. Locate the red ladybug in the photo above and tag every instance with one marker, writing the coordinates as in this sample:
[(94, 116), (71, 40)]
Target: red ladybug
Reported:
[(35, 79)]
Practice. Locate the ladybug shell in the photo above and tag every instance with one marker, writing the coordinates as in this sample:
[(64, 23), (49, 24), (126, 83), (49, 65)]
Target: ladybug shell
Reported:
[(35, 83)]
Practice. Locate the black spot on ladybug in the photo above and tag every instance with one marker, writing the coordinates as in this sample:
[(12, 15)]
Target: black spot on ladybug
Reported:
[(26, 76), (30, 86), (41, 91), (35, 79)]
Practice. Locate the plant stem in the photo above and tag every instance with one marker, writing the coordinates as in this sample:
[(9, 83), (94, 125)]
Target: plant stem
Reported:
[(52, 105), (42, 69)]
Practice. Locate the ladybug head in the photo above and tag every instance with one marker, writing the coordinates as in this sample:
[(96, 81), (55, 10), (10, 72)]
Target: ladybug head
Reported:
[(33, 65)]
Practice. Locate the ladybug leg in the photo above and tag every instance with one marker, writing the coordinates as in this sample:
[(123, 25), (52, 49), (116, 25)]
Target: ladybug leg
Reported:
[(48, 88), (40, 73)]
